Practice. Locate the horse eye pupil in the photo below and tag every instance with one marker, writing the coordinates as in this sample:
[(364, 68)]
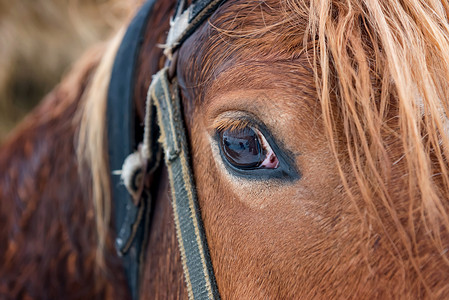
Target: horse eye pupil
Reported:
[(242, 148)]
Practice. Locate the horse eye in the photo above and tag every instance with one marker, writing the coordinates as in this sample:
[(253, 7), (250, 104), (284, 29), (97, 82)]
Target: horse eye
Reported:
[(247, 149)]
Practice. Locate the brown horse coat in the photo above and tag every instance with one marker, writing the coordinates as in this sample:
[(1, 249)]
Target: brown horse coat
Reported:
[(367, 215)]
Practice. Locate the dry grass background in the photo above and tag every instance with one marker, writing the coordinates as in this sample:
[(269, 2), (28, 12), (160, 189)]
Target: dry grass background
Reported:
[(40, 39)]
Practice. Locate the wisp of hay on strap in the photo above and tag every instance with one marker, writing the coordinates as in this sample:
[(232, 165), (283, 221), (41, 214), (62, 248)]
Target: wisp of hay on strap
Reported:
[(132, 209)]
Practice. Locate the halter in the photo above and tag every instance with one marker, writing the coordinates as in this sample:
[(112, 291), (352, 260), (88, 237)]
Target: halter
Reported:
[(132, 201)]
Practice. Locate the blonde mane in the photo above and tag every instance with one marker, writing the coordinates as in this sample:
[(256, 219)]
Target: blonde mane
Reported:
[(92, 150), (388, 62)]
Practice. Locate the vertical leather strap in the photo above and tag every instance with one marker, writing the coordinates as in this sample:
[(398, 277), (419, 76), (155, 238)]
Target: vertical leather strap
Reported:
[(130, 219), (197, 265)]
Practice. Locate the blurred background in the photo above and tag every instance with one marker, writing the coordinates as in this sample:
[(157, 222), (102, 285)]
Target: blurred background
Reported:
[(40, 40)]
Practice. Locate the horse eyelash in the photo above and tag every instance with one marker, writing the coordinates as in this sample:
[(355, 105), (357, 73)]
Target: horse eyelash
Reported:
[(230, 124)]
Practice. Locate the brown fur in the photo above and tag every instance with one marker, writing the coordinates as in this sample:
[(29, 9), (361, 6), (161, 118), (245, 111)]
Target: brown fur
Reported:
[(47, 232), (162, 276), (357, 224)]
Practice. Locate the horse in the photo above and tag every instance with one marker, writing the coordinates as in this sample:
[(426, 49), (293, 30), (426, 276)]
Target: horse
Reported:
[(318, 134)]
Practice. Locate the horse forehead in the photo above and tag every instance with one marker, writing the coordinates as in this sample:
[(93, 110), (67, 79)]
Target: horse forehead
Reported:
[(236, 45), (287, 86)]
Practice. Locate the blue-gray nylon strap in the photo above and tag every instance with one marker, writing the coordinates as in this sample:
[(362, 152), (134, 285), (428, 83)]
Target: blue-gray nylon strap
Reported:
[(132, 219), (164, 93), (197, 266)]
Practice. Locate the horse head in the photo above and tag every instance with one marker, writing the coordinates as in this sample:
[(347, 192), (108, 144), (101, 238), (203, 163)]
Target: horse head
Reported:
[(317, 134)]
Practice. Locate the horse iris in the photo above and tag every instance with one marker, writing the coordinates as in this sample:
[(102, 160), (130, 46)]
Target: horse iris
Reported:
[(242, 148)]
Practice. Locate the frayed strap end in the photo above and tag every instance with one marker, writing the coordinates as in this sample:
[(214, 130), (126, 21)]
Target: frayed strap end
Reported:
[(133, 173)]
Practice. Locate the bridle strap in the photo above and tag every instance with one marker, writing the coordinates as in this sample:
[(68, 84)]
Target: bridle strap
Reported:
[(132, 210), (197, 266), (131, 218), (164, 94)]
